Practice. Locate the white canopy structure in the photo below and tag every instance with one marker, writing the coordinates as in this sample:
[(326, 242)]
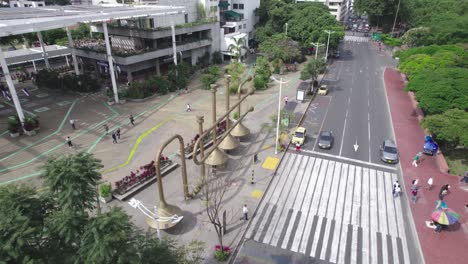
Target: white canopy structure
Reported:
[(15, 21)]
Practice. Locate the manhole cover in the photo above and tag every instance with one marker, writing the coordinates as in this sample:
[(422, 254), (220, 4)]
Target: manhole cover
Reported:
[(42, 95), (63, 103), (41, 109)]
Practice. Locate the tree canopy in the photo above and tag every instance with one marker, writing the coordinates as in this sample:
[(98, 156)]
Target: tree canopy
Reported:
[(306, 22), (450, 126), (60, 226), (281, 47)]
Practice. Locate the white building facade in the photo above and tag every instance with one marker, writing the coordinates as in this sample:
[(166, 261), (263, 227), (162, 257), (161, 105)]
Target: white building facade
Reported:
[(338, 8), (21, 3)]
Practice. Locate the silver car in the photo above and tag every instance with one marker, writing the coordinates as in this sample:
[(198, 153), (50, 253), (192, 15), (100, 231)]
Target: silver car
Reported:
[(389, 152), (325, 140)]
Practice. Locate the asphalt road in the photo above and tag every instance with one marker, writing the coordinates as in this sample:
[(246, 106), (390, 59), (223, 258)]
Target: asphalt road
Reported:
[(357, 110)]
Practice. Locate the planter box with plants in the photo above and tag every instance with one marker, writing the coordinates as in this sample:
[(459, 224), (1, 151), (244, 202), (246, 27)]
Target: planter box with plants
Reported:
[(14, 126), (31, 125), (105, 192)]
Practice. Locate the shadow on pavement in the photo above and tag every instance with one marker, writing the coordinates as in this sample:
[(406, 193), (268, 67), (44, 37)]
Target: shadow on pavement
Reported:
[(186, 225)]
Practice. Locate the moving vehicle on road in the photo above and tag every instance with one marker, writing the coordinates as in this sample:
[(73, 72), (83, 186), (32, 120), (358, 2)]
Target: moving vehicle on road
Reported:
[(299, 136), (389, 152), (430, 146), (325, 140), (323, 90)]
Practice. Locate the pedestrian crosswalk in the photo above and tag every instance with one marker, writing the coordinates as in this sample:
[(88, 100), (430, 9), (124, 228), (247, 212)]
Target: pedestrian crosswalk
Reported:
[(333, 211), (356, 38)]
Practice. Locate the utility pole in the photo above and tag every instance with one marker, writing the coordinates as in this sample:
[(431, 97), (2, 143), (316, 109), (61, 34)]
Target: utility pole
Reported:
[(396, 15), (329, 32), (317, 45)]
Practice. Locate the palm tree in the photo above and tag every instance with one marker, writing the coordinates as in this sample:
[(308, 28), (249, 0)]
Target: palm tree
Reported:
[(237, 47)]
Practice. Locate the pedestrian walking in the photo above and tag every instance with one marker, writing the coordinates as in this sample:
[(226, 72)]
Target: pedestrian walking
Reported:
[(416, 160), (72, 124), (245, 211), (438, 227), (429, 184), (298, 147), (395, 184), (189, 109), (414, 195), (132, 120), (397, 191), (443, 191), (114, 138), (69, 142), (414, 184), (285, 100), (118, 133), (106, 128)]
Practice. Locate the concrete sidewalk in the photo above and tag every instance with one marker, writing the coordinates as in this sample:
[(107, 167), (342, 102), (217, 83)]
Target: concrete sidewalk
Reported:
[(449, 246)]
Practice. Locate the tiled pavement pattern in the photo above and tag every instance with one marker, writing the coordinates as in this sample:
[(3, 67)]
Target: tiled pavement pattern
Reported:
[(332, 211), (356, 38)]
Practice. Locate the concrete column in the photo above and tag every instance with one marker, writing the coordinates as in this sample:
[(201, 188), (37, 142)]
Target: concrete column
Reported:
[(158, 69), (11, 87), (73, 52), (44, 53), (129, 76), (111, 62), (174, 48), (34, 66)]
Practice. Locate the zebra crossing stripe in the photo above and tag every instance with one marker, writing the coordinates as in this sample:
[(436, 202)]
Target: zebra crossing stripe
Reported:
[(401, 224), (297, 204), (374, 225), (279, 179), (305, 206), (310, 214), (285, 201), (365, 216), (339, 212), (332, 211)]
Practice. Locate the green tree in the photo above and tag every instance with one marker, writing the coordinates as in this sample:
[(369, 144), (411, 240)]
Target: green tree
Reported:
[(450, 127), (280, 46), (440, 90), (22, 216), (262, 73), (179, 78), (210, 76), (235, 69), (312, 69), (237, 47), (109, 238)]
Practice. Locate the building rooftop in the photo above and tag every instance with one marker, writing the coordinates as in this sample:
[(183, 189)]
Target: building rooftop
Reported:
[(18, 20)]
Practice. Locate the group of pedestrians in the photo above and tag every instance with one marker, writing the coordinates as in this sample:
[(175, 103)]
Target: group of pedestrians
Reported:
[(115, 134)]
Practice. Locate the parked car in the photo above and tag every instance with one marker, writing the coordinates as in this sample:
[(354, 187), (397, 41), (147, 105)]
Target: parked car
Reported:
[(323, 90), (299, 136), (325, 140), (389, 152), (430, 146)]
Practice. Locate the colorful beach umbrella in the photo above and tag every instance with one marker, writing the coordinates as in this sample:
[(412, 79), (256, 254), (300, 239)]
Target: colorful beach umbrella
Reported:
[(440, 204), (445, 216)]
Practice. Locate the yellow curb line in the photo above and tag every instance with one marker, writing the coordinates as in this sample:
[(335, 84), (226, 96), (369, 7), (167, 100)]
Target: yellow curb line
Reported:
[(137, 144)]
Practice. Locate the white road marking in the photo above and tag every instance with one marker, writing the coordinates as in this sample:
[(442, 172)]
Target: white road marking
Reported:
[(342, 136), (348, 159)]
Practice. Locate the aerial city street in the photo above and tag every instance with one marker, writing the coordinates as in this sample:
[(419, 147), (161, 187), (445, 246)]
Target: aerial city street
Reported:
[(237, 131)]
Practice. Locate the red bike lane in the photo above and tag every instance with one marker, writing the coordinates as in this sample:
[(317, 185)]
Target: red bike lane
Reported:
[(449, 246)]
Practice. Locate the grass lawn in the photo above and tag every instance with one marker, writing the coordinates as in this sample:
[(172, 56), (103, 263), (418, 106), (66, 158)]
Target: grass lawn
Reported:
[(457, 160)]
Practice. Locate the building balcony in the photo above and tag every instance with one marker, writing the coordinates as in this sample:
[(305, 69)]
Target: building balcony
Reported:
[(159, 32), (97, 51)]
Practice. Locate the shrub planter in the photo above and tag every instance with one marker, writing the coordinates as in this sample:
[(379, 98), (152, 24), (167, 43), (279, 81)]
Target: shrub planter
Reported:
[(110, 102), (105, 199), (30, 133), (15, 134)]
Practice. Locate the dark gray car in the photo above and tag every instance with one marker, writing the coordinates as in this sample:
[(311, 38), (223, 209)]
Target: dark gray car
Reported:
[(389, 152), (325, 140)]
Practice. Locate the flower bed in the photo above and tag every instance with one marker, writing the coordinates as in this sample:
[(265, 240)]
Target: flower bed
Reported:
[(222, 253)]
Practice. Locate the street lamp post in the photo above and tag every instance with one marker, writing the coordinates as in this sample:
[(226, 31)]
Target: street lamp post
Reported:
[(329, 32), (317, 45), (279, 110)]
